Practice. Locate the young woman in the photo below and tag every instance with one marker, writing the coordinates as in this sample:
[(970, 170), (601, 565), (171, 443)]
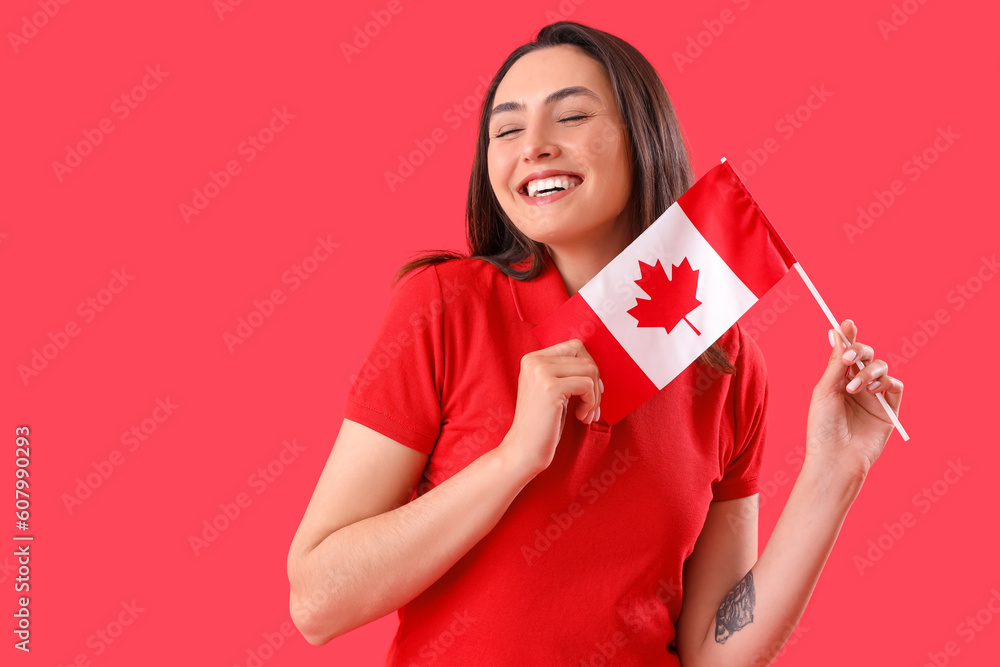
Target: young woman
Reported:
[(473, 486)]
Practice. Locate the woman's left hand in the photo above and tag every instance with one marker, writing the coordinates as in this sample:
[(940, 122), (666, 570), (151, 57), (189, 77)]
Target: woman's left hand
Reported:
[(847, 426)]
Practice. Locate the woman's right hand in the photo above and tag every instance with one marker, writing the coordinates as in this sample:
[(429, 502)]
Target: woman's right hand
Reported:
[(548, 379)]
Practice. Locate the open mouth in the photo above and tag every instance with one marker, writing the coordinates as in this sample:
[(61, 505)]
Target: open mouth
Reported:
[(544, 187)]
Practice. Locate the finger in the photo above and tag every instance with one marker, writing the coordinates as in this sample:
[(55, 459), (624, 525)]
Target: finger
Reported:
[(893, 392), (579, 386), (540, 366), (891, 387), (858, 352), (573, 366), (599, 391), (869, 374), (567, 365), (580, 350), (571, 347), (581, 375), (833, 376), (879, 370), (600, 398), (850, 330)]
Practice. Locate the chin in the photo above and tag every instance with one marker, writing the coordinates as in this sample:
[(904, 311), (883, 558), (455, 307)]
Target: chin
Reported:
[(561, 237)]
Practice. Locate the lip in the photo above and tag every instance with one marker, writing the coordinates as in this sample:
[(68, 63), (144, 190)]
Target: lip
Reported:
[(548, 199), (548, 173)]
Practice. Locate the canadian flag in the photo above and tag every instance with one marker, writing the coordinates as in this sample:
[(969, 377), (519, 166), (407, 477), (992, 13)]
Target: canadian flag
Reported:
[(673, 291)]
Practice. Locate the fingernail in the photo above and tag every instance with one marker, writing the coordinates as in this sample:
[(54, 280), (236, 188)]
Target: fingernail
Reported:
[(874, 384), (849, 355), (833, 342), (854, 384), (598, 415), (600, 384)]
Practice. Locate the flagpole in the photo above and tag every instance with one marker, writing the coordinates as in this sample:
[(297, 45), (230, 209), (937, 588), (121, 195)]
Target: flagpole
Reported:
[(836, 326), (833, 321)]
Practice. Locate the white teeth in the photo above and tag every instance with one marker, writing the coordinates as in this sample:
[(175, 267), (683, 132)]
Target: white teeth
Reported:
[(563, 182)]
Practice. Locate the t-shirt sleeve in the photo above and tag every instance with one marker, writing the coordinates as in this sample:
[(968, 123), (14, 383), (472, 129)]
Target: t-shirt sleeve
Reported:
[(740, 477), (397, 392)]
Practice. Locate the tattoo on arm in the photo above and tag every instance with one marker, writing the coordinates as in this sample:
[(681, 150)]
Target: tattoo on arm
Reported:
[(736, 611)]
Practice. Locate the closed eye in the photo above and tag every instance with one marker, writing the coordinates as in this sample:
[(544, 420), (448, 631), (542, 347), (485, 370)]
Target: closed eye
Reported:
[(503, 134)]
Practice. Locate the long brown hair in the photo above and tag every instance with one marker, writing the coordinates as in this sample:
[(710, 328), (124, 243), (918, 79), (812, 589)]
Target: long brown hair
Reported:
[(661, 168)]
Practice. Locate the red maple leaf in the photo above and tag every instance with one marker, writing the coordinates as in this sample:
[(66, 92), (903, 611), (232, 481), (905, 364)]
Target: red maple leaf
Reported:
[(670, 299)]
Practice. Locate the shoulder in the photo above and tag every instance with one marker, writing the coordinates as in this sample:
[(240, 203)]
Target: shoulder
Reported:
[(470, 268), (462, 278), (452, 268), (743, 351), (454, 288), (750, 378)]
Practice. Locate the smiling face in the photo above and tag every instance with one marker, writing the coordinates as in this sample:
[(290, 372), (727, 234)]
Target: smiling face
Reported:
[(554, 113)]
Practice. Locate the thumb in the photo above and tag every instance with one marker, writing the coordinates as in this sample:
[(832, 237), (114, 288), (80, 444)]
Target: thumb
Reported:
[(834, 377)]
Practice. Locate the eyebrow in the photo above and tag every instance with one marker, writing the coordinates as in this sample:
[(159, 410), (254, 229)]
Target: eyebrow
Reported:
[(560, 94)]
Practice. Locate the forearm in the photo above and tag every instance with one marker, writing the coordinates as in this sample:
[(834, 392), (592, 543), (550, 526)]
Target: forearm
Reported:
[(370, 568), (778, 587)]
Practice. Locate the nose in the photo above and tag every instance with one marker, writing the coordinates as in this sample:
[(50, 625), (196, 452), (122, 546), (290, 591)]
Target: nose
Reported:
[(537, 143)]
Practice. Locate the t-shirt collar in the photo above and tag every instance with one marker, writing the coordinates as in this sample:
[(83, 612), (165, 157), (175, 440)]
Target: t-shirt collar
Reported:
[(536, 299)]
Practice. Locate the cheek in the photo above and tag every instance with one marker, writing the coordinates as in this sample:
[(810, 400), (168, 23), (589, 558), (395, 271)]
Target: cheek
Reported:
[(497, 166), (493, 171), (605, 144), (606, 149)]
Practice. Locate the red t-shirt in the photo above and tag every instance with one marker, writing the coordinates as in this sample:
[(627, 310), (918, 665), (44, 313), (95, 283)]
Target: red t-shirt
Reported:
[(584, 568)]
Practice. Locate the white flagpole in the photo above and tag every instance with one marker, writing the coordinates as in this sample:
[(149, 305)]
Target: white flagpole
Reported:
[(833, 321), (836, 326)]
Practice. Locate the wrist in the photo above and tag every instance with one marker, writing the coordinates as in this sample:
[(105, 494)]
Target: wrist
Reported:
[(514, 464), (831, 479)]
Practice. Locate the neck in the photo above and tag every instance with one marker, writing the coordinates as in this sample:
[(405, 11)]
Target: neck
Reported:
[(579, 264)]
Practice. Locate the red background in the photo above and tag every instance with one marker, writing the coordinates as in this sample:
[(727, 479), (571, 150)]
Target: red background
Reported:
[(323, 175)]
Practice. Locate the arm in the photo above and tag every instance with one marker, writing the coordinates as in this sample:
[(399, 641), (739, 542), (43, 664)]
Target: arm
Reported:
[(734, 614), (739, 616), (362, 551)]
